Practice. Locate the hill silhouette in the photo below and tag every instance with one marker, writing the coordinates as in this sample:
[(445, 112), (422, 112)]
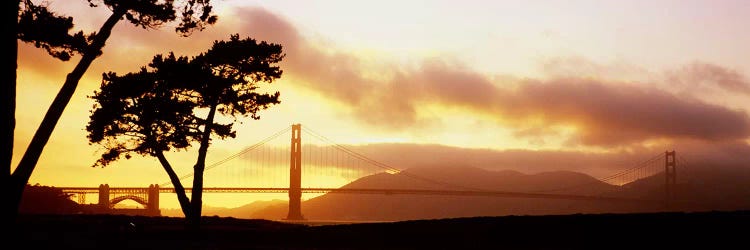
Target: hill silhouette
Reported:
[(39, 199), (377, 207), (433, 222), (707, 189), (238, 212), (725, 188)]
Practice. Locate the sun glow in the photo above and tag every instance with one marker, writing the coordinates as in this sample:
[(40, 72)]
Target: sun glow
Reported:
[(399, 74)]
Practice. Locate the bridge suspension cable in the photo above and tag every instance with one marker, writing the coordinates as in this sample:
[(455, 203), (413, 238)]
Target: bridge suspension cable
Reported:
[(247, 149), (618, 177), (379, 164), (324, 163), (640, 169)]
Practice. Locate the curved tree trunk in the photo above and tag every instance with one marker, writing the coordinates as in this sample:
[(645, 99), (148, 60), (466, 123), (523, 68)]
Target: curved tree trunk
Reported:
[(178, 188), (198, 169), (30, 158), (8, 99)]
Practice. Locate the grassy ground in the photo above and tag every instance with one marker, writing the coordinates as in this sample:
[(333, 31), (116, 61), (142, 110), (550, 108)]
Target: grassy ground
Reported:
[(708, 230)]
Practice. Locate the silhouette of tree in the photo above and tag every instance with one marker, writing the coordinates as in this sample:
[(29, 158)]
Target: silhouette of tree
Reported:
[(154, 110), (36, 24), (10, 10)]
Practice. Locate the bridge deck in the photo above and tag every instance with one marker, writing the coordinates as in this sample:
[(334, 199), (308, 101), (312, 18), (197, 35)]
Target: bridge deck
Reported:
[(115, 190)]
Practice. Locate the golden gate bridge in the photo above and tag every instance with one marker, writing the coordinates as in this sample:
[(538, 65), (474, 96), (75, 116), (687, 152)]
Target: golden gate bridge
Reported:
[(270, 166)]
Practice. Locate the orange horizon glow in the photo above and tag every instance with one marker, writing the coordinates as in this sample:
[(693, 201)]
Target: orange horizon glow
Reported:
[(594, 82)]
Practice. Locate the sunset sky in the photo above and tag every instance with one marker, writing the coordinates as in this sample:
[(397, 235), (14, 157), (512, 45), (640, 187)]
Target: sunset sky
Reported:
[(592, 86)]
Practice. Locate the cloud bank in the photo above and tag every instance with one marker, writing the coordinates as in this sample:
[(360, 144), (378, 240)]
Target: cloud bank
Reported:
[(600, 112), (603, 112)]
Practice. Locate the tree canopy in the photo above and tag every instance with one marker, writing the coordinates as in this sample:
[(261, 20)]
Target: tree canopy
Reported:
[(154, 110), (37, 24)]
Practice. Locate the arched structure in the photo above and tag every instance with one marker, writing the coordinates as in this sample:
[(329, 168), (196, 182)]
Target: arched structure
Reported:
[(135, 198), (148, 197)]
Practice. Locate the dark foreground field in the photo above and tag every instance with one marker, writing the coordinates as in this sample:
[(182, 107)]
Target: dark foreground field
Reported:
[(709, 230)]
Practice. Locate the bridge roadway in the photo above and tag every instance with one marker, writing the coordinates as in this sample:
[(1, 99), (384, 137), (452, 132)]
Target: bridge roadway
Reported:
[(486, 193)]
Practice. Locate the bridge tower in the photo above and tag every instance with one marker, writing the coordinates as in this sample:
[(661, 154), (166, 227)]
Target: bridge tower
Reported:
[(153, 200), (104, 197), (670, 173), (295, 175)]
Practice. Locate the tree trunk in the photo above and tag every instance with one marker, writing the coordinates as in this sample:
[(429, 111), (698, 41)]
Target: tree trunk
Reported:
[(200, 166), (178, 188), (8, 101), (30, 158)]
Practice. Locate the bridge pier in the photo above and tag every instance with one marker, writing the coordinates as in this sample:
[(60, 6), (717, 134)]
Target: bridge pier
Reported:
[(295, 175)]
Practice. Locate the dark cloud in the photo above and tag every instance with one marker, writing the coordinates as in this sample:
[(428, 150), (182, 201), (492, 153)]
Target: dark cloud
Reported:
[(571, 66), (604, 113), (609, 114), (404, 156), (336, 75), (692, 155), (264, 25), (710, 76)]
